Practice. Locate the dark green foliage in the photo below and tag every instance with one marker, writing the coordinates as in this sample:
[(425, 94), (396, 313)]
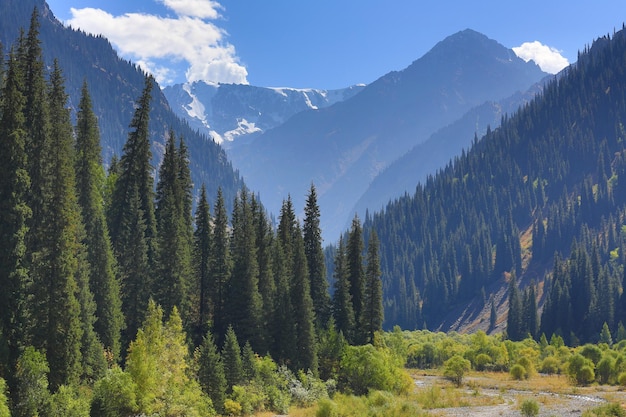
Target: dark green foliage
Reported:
[(131, 218), (356, 274), (211, 373), (343, 310), (220, 266), (372, 314), (173, 284), (245, 308), (231, 358), (248, 363), (303, 310), (315, 259), (60, 271), (202, 257), (515, 319), (90, 182), (14, 218)]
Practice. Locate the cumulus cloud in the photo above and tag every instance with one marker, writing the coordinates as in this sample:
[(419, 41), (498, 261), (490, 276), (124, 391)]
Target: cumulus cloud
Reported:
[(155, 41), (548, 58)]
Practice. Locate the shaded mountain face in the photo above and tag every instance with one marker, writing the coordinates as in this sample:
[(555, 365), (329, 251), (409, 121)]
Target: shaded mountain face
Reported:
[(424, 159), (341, 148), (114, 86), (537, 203), (231, 113)]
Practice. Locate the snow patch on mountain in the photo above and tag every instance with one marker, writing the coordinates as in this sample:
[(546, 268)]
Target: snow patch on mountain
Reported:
[(230, 112)]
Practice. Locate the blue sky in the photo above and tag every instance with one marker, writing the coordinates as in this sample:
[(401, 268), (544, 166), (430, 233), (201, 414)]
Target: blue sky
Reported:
[(326, 43)]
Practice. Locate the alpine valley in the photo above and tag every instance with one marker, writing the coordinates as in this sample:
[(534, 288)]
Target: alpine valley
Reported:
[(162, 249)]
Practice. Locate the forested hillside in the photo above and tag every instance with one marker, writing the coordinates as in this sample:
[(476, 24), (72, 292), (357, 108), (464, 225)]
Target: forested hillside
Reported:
[(536, 204), (114, 85), (92, 262)]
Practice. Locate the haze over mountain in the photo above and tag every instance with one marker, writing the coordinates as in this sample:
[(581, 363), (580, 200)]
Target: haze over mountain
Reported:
[(230, 113), (538, 203), (426, 158), (115, 84), (341, 148)]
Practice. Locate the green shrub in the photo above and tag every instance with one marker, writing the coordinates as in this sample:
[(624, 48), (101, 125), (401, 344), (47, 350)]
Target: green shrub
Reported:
[(232, 408), (114, 395), (481, 361), (621, 379), (606, 410), (518, 372), (365, 367), (580, 369), (529, 408), (326, 408), (550, 365), (66, 402), (455, 369)]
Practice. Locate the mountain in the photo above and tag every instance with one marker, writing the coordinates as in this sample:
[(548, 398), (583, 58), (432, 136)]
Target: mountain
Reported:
[(402, 175), (530, 220), (114, 86), (230, 113), (341, 148)]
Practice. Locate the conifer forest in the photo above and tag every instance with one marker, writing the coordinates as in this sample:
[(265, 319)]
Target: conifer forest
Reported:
[(126, 289)]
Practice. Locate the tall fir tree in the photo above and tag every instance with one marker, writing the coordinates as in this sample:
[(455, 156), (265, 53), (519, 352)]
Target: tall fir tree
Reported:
[(303, 309), (231, 357), (14, 218), (514, 324), (202, 256), (38, 147), (373, 314), (343, 311), (211, 373), (315, 259), (220, 267), (56, 307), (172, 286), (356, 274), (245, 306), (131, 211), (90, 183), (264, 237)]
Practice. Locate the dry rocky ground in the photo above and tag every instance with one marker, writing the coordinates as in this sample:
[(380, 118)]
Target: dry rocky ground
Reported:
[(490, 395)]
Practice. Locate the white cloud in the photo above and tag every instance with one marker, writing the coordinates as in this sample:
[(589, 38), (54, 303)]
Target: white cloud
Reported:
[(548, 58), (204, 9), (188, 37)]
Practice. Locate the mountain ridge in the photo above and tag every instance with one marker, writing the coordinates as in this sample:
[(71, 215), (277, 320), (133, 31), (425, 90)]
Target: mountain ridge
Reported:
[(341, 148)]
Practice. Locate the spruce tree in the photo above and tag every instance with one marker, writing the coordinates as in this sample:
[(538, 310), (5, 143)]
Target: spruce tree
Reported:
[(172, 286), (56, 309), (303, 310), (264, 236), (356, 274), (373, 314), (343, 311), (202, 256), (90, 183), (211, 373), (315, 259), (231, 357), (245, 308), (514, 324), (131, 217), (38, 145), (220, 267), (14, 218)]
